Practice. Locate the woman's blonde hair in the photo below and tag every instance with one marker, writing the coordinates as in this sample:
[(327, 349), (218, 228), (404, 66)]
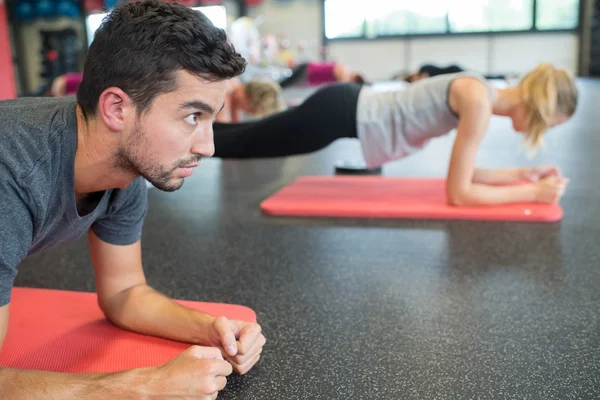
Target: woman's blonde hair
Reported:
[(547, 92), (265, 97)]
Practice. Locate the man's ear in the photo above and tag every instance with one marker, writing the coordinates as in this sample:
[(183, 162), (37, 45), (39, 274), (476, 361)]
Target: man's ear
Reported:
[(114, 107)]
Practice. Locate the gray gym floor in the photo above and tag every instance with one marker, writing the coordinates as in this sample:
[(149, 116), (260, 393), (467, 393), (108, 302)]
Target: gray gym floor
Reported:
[(381, 309)]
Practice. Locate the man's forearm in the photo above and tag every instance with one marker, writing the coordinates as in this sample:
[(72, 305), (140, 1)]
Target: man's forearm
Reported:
[(142, 309), (33, 385), (489, 176)]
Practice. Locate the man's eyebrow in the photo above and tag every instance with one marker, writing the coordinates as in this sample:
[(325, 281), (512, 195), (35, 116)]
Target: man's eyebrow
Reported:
[(197, 105)]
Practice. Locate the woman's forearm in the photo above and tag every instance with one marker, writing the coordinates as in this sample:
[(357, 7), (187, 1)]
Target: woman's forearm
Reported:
[(489, 176), (481, 195)]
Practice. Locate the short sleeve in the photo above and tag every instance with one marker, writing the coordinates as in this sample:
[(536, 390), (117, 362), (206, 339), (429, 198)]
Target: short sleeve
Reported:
[(16, 234), (125, 219)]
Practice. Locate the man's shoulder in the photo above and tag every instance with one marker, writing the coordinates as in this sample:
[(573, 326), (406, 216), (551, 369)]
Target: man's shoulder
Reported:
[(33, 133), (30, 104), (33, 112)]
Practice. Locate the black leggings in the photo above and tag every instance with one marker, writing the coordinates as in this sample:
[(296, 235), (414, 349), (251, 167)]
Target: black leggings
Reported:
[(299, 74), (327, 115), (434, 70)]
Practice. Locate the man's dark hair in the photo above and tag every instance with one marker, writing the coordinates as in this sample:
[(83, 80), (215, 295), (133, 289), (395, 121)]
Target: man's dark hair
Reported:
[(141, 45)]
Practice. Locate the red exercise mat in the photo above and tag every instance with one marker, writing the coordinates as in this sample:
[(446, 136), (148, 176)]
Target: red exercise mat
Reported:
[(381, 197), (65, 331)]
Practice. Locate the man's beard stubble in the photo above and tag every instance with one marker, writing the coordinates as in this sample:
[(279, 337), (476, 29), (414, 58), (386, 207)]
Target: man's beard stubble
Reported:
[(131, 159)]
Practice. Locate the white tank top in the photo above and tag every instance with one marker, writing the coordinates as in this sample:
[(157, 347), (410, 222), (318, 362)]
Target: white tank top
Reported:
[(396, 123)]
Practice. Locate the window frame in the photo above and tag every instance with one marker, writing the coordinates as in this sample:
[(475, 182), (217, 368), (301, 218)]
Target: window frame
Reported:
[(448, 32)]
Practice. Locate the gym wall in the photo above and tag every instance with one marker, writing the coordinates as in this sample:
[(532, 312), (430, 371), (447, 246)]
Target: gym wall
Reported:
[(490, 55), (299, 19), (27, 38), (512, 53), (31, 47)]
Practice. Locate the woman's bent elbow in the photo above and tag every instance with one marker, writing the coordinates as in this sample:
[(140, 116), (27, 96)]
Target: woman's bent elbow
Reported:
[(456, 198)]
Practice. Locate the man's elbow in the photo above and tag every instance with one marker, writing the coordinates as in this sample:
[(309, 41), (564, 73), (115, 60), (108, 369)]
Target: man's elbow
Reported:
[(114, 314), (113, 307), (107, 308)]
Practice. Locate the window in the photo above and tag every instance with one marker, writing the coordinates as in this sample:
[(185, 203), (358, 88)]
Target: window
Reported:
[(216, 14), (383, 18), (343, 21), (425, 16), (379, 18), (491, 16), (557, 14)]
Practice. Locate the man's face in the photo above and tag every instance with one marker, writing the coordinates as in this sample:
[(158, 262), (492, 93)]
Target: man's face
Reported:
[(165, 143)]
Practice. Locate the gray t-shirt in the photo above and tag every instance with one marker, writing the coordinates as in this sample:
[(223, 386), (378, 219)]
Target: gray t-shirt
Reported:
[(393, 124), (38, 205)]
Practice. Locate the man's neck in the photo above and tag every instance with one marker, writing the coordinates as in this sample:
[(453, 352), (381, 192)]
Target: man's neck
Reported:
[(95, 166)]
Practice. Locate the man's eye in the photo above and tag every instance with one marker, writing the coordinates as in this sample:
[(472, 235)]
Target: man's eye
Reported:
[(192, 119)]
